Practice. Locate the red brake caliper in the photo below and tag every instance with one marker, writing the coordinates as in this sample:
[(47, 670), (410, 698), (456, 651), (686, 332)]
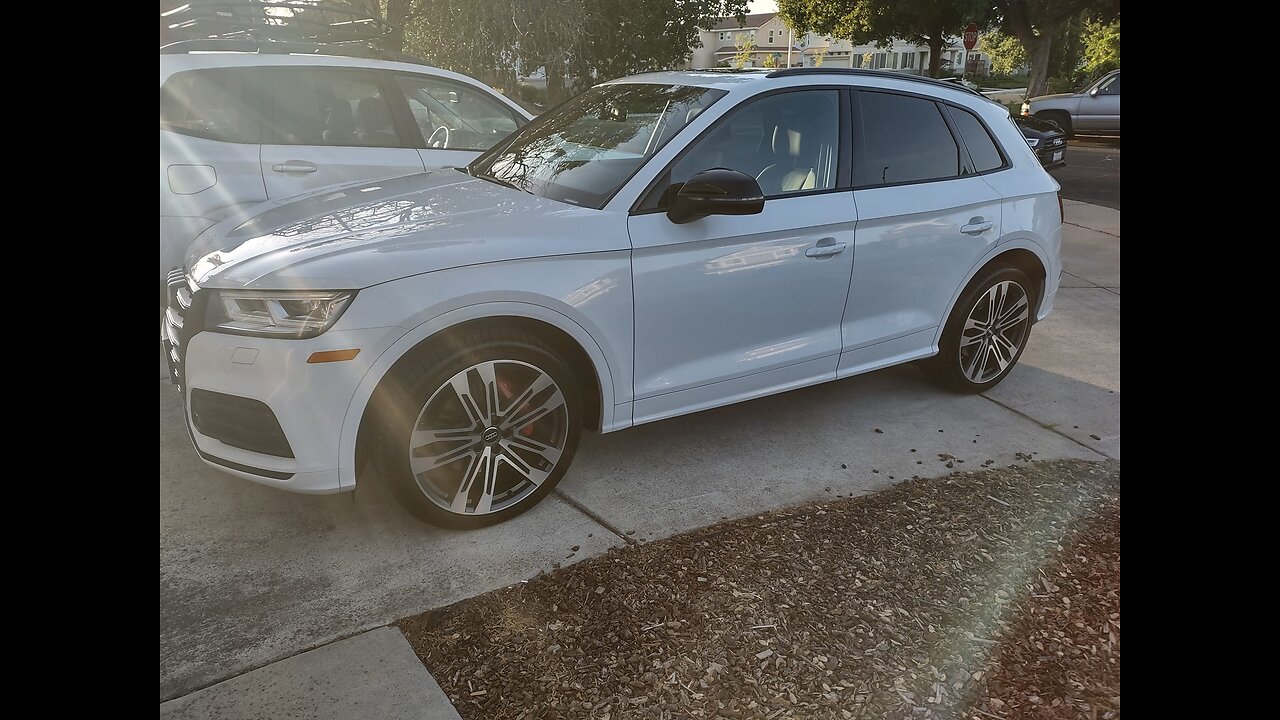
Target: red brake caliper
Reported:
[(505, 388)]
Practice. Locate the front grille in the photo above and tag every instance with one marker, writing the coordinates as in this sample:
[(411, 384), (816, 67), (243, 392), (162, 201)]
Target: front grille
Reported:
[(176, 325), (239, 422)]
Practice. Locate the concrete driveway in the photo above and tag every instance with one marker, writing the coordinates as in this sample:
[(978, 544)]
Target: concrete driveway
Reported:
[(250, 575)]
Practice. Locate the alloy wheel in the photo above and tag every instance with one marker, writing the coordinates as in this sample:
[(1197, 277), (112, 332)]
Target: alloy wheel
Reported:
[(489, 437), (994, 331)]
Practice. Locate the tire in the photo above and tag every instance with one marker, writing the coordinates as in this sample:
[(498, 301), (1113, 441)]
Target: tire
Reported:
[(959, 365), (432, 444), (1063, 120)]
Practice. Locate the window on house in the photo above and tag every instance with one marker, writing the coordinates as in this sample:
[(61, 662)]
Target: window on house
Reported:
[(770, 37), (880, 61), (908, 61), (856, 61)]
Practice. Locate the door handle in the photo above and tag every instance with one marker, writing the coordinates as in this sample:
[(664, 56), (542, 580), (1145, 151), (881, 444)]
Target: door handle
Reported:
[(294, 167), (826, 247), (976, 226)]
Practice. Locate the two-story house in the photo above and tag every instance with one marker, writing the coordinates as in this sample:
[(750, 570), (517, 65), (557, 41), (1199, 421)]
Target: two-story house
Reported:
[(719, 47), (720, 43), (899, 55)]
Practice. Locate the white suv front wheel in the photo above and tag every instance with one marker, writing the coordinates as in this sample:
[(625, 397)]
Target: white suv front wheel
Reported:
[(482, 428)]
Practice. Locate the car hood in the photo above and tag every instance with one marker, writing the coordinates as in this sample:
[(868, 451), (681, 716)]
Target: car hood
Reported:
[(362, 234), (1055, 96)]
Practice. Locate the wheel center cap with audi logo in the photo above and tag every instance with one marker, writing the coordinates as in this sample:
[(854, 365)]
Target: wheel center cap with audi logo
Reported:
[(490, 435)]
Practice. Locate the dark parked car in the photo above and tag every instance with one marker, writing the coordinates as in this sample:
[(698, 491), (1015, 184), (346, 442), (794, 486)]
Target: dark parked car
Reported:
[(1045, 138)]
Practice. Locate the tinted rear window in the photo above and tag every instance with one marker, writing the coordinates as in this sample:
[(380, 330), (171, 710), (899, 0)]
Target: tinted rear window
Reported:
[(329, 106)]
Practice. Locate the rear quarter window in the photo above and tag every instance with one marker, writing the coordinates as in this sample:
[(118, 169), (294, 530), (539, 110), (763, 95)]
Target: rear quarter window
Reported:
[(217, 104), (982, 148)]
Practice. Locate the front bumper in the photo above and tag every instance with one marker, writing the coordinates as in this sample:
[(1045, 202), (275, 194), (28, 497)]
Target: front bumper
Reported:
[(309, 401)]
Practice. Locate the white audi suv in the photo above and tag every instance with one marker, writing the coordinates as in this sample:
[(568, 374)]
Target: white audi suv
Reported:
[(658, 245)]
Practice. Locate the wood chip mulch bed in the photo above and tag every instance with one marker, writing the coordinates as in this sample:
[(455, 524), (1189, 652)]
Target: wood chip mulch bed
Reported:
[(992, 594)]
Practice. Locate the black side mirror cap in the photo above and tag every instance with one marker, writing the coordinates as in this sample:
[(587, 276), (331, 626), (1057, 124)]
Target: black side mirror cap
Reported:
[(718, 191)]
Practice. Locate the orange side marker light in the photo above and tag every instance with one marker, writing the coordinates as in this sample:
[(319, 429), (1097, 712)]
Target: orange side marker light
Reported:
[(329, 356)]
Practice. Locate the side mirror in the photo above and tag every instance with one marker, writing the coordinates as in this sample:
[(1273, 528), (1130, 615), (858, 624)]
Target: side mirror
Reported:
[(717, 191), (1094, 92)]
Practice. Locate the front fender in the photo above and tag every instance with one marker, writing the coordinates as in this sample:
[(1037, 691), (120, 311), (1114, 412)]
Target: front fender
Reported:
[(611, 419)]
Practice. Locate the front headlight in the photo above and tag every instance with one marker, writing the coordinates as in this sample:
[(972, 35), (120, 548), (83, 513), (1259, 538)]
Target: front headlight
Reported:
[(1033, 142), (277, 313)]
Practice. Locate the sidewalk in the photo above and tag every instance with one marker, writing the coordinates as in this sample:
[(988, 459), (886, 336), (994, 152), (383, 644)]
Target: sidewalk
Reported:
[(276, 605)]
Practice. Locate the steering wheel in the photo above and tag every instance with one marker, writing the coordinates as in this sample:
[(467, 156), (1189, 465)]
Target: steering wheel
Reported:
[(433, 142)]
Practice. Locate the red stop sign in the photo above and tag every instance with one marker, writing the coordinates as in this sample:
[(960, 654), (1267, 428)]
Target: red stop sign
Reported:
[(971, 36)]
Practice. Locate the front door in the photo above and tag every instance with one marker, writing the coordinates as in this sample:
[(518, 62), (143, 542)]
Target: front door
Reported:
[(331, 126), (732, 307), (1100, 107)]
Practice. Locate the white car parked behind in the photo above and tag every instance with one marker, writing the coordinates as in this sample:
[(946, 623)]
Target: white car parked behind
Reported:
[(242, 123)]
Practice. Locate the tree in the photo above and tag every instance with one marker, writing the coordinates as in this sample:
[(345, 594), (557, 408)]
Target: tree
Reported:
[(1036, 22), (1005, 51), (1101, 47), (818, 57), (577, 43), (745, 44), (394, 13), (771, 60), (925, 22)]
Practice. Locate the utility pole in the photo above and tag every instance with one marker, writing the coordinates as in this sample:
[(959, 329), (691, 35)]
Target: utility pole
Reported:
[(790, 41)]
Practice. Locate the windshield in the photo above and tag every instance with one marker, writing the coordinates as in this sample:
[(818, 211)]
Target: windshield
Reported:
[(583, 151)]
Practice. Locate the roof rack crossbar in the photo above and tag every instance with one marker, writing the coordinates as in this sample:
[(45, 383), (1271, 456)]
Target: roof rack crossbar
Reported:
[(864, 72), (355, 49)]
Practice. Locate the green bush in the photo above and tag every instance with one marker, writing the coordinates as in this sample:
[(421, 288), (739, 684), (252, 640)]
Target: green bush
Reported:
[(1002, 81)]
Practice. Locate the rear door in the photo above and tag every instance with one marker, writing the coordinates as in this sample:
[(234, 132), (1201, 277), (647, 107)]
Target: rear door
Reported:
[(330, 126), (925, 217), (456, 121), (1100, 107)]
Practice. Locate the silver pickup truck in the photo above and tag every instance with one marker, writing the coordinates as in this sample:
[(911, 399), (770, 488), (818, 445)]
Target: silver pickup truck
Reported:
[(1093, 111)]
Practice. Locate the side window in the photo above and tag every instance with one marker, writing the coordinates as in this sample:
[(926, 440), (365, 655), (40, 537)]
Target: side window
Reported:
[(218, 104), (904, 139), (982, 149), (1111, 87), (329, 106), (788, 142), (454, 116)]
